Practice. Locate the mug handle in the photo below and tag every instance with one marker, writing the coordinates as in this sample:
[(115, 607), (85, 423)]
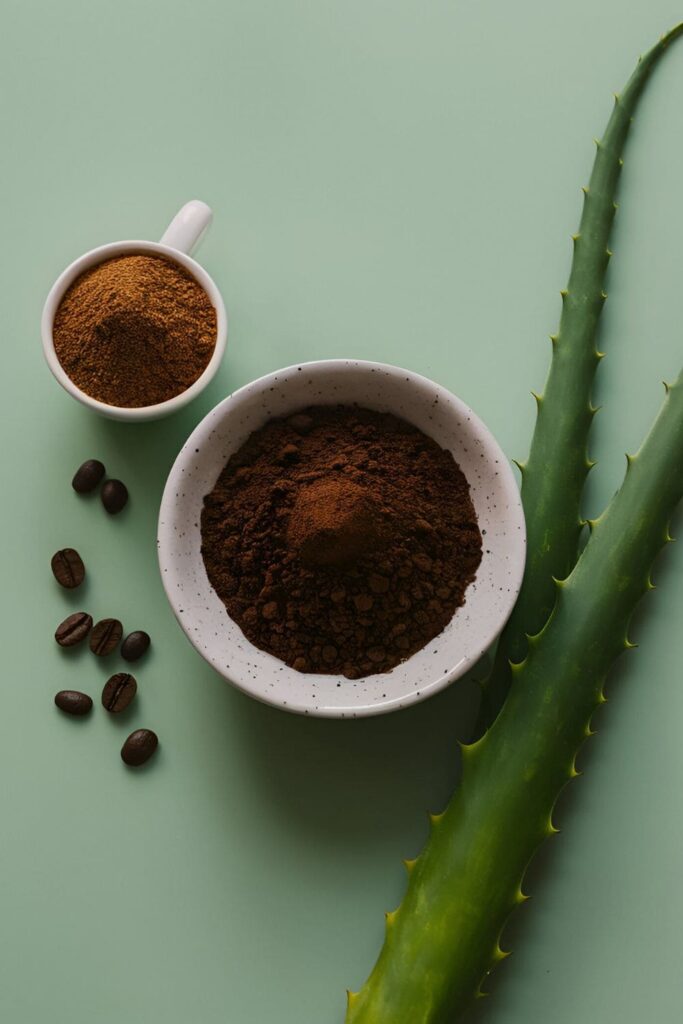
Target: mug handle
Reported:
[(188, 227)]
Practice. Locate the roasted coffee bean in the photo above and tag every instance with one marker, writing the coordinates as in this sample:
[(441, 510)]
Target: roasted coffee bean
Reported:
[(114, 496), (139, 747), (106, 636), (88, 476), (118, 692), (73, 702), (135, 645), (67, 568), (74, 629)]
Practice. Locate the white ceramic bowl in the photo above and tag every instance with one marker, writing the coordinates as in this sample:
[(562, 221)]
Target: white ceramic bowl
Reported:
[(181, 237), (489, 599)]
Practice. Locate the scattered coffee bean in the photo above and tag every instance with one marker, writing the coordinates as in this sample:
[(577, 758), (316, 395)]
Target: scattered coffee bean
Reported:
[(67, 568), (135, 645), (88, 476), (106, 636), (73, 702), (139, 747), (114, 496), (118, 692), (74, 629)]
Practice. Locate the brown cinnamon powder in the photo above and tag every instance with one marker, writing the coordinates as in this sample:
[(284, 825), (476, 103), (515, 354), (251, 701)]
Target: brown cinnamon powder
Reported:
[(135, 330), (341, 540)]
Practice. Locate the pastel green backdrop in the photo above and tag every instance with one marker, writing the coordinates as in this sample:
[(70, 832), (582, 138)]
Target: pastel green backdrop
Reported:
[(390, 180)]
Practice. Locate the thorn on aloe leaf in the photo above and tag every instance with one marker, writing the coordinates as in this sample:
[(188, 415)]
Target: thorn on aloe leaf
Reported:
[(521, 896), (468, 750)]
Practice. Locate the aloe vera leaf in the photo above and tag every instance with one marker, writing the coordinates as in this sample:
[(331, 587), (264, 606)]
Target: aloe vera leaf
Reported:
[(554, 475), (444, 938)]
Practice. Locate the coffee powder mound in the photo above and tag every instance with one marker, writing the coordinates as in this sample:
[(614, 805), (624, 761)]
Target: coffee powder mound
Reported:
[(333, 522), (134, 331), (340, 540)]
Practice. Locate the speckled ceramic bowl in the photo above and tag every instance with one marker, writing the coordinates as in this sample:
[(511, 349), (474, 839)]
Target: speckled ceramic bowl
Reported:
[(434, 410)]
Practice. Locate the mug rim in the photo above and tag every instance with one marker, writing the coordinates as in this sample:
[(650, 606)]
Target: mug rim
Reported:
[(99, 255)]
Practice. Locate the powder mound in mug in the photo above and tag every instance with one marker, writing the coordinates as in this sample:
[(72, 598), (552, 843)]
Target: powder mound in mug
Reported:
[(341, 540), (134, 331)]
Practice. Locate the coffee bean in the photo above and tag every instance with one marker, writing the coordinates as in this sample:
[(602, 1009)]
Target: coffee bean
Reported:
[(139, 747), (88, 476), (119, 691), (106, 636), (74, 629), (73, 702), (114, 496), (135, 645), (67, 568)]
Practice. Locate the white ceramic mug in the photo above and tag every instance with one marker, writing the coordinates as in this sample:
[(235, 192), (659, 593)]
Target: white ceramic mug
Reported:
[(181, 237)]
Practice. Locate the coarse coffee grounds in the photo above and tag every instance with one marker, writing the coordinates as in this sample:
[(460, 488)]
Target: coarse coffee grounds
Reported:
[(341, 540), (135, 331)]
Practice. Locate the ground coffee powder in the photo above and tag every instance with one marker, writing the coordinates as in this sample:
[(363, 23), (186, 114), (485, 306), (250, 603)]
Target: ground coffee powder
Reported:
[(134, 331), (341, 540)]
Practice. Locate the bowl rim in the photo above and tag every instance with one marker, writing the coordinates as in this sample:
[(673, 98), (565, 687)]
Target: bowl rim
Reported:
[(92, 258), (353, 710)]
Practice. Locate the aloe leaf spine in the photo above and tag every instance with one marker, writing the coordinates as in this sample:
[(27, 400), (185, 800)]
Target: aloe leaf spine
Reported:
[(445, 937), (554, 475)]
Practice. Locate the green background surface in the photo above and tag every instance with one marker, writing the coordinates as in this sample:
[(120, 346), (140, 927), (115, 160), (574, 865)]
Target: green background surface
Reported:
[(395, 181)]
